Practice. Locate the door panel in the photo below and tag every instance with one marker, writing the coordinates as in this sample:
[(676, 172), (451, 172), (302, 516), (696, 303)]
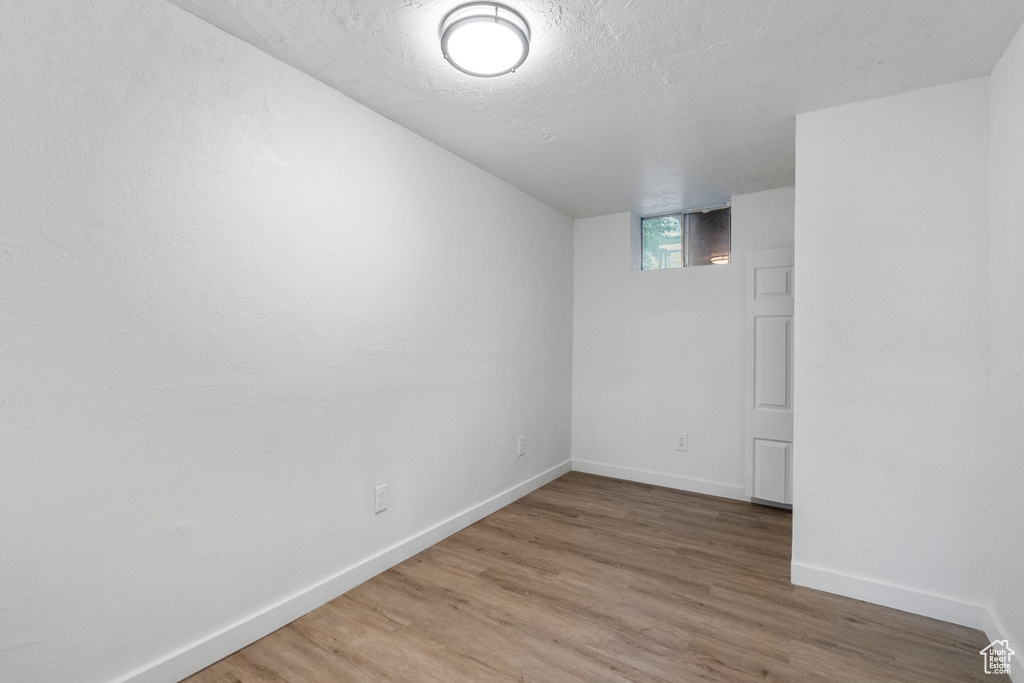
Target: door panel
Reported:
[(772, 471), (775, 281), (773, 339)]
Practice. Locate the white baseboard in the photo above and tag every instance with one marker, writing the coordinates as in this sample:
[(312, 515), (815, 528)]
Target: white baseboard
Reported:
[(672, 481), (994, 630), (209, 649), (889, 595)]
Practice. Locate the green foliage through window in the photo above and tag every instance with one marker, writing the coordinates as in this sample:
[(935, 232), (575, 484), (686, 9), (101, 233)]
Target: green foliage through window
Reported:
[(662, 238)]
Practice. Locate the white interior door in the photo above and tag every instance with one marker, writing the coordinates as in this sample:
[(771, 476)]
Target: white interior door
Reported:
[(769, 396)]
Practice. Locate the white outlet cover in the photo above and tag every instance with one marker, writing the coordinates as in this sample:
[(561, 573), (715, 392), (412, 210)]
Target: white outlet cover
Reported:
[(682, 442), (522, 445), (380, 498)]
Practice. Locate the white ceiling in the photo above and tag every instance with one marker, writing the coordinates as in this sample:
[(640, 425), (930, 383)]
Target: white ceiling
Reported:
[(630, 105)]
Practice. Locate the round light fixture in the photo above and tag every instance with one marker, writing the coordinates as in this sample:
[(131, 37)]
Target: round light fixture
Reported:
[(485, 39)]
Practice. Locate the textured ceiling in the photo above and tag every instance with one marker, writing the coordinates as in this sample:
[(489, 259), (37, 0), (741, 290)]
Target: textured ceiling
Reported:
[(630, 105)]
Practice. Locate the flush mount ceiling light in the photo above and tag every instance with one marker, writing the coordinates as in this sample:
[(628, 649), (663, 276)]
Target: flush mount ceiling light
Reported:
[(485, 39)]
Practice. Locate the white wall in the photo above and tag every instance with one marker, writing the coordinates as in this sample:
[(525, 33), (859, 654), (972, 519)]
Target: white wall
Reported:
[(893, 472), (656, 353), (232, 301), (1006, 170)]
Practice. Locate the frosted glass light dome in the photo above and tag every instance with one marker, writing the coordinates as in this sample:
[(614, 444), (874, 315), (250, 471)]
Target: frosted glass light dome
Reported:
[(485, 39)]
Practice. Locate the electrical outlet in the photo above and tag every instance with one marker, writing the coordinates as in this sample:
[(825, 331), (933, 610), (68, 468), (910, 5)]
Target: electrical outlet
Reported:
[(380, 499), (682, 442), (522, 446)]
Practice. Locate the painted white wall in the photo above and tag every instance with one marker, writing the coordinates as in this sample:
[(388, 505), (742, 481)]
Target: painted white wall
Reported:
[(656, 353), (1006, 172), (893, 469), (232, 301)]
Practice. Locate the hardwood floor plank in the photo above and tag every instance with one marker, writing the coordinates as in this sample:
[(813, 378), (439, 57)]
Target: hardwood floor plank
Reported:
[(594, 579)]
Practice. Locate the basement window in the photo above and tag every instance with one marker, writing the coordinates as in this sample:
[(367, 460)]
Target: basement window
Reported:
[(677, 240)]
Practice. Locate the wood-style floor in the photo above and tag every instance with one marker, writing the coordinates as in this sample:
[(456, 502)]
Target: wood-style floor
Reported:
[(592, 579)]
